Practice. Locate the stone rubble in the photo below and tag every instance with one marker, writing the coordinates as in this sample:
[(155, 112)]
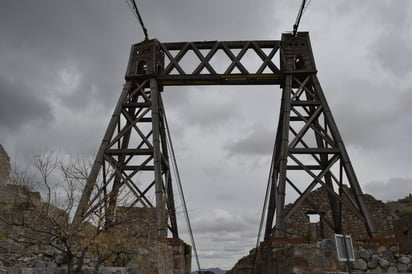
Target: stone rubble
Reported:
[(320, 258), (383, 261)]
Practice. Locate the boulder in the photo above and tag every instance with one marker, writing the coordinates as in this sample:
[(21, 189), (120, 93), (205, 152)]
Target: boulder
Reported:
[(360, 264), (404, 260), (383, 263)]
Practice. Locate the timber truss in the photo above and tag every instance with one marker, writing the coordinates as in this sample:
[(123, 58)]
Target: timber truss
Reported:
[(132, 165)]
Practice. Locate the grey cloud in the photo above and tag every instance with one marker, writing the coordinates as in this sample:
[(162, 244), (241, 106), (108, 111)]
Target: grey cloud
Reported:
[(58, 35), (210, 109), (175, 97), (212, 254), (392, 54), (385, 14), (221, 221), (404, 101), (369, 116), (391, 49), (19, 106), (184, 20), (224, 236), (226, 197), (228, 237), (390, 190), (382, 26), (258, 142)]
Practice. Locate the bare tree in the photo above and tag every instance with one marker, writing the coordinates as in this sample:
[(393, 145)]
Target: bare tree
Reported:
[(47, 222), (40, 222)]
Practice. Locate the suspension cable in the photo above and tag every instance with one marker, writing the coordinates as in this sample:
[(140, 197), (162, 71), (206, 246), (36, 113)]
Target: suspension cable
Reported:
[(307, 5), (265, 206), (131, 8), (265, 203), (181, 194), (136, 13), (302, 10)]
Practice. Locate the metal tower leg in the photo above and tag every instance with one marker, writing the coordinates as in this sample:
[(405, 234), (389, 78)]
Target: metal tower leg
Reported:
[(309, 150), (132, 165)]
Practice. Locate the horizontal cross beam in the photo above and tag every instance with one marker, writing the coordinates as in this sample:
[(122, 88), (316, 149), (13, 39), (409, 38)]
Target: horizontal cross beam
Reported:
[(209, 63)]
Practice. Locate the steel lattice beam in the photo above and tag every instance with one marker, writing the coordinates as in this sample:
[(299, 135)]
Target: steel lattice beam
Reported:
[(214, 63)]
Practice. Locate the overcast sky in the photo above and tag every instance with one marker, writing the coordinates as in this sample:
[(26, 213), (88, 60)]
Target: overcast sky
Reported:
[(62, 65)]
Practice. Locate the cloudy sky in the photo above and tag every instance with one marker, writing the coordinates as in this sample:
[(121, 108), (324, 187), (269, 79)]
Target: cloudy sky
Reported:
[(62, 65)]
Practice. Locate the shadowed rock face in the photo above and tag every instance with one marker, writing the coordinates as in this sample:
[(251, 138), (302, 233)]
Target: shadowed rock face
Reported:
[(4, 166)]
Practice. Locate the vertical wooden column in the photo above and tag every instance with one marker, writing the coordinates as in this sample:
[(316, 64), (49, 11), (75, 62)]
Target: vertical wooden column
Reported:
[(132, 165), (309, 151)]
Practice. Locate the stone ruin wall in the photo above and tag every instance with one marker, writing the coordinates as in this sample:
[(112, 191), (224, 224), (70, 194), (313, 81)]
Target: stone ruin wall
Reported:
[(14, 205), (152, 255), (403, 232), (299, 226), (303, 251), (283, 256), (175, 255), (4, 166)]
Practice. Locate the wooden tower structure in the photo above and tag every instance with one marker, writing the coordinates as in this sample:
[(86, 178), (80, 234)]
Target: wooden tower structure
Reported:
[(132, 165)]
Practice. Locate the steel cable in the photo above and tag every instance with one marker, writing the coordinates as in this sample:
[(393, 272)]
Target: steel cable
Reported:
[(136, 13), (302, 10), (179, 184)]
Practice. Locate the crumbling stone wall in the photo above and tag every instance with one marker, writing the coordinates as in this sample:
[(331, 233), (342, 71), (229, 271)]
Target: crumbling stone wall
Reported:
[(137, 226), (171, 256), (140, 220), (4, 166), (302, 251), (299, 226), (287, 256), (403, 230), (20, 208), (182, 256), (281, 257), (146, 253), (20, 205)]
